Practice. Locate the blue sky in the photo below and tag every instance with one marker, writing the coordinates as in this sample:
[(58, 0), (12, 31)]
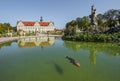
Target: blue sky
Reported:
[(58, 11)]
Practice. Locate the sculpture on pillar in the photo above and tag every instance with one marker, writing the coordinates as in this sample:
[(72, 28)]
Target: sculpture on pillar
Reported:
[(93, 17)]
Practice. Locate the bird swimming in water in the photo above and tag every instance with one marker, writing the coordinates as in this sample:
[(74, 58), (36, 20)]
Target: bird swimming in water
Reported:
[(73, 61)]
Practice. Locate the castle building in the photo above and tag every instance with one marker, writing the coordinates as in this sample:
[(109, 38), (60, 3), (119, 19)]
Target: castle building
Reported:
[(31, 26)]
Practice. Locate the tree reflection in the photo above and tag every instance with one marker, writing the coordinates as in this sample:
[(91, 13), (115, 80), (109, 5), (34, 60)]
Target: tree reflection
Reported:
[(7, 44), (94, 48), (75, 46), (92, 56), (108, 48)]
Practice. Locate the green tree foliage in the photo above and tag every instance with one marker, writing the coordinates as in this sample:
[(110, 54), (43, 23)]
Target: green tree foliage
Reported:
[(111, 16), (14, 29), (100, 19), (1, 28), (105, 21), (74, 25), (106, 31), (71, 28), (79, 22), (86, 22), (83, 22), (5, 27)]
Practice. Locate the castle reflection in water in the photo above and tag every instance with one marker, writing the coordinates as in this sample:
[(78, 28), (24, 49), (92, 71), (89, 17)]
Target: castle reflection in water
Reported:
[(36, 41)]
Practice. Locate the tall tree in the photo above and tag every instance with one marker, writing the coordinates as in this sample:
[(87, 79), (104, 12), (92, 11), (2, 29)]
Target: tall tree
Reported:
[(110, 16), (79, 22), (83, 22), (100, 19), (1, 28), (86, 21)]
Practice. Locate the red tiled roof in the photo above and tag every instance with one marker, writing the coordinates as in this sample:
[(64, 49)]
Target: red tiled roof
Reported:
[(44, 23), (28, 23)]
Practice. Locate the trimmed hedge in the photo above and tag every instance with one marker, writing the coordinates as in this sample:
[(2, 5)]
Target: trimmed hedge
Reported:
[(94, 37)]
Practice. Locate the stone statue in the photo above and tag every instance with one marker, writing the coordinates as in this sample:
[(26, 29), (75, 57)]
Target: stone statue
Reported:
[(93, 16)]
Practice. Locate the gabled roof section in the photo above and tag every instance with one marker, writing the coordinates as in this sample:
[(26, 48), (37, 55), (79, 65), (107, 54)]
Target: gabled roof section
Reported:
[(28, 23), (44, 23), (32, 23)]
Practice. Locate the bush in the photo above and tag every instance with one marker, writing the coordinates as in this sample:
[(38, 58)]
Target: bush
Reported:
[(94, 37)]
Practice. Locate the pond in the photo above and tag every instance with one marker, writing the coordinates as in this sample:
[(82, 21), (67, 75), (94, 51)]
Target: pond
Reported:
[(44, 59)]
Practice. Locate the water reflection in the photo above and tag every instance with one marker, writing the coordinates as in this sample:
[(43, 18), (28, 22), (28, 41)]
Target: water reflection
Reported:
[(94, 48), (7, 43), (33, 64), (72, 45), (36, 41), (92, 56)]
